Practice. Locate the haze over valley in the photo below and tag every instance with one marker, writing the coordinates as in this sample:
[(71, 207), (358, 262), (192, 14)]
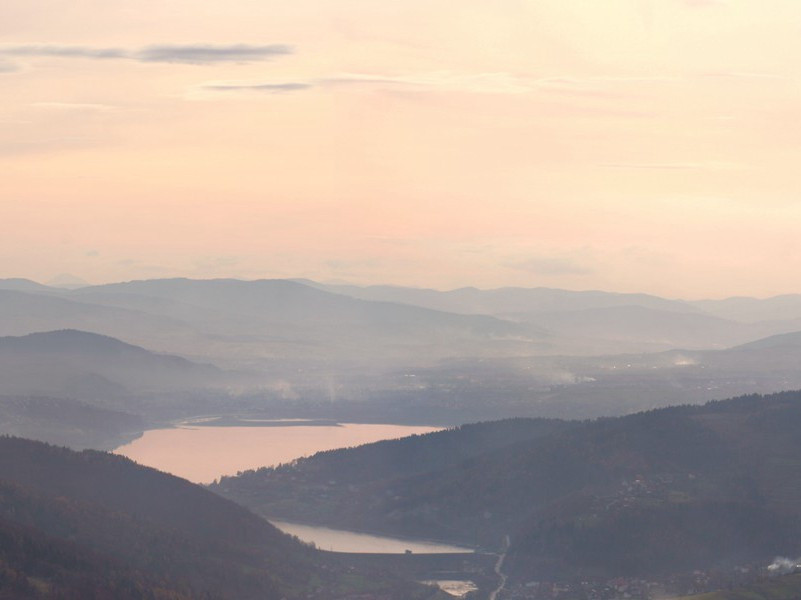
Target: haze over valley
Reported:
[(164, 350), (421, 300)]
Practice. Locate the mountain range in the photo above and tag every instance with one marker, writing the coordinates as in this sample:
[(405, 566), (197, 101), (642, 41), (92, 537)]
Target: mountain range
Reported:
[(296, 348)]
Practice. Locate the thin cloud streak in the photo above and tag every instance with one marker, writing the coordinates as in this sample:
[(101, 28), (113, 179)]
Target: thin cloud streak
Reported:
[(715, 166), (8, 67), (204, 54), (194, 54), (447, 81), (257, 87)]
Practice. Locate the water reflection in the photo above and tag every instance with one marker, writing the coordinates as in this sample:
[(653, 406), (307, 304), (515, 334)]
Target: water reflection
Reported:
[(349, 541), (202, 453)]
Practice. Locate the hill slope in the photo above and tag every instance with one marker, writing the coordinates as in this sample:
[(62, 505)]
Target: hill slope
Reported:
[(158, 531), (67, 422), (93, 367), (648, 494), (503, 301), (303, 317)]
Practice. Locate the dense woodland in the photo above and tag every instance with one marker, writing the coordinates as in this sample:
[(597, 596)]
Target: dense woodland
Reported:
[(95, 525), (645, 495), (787, 587)]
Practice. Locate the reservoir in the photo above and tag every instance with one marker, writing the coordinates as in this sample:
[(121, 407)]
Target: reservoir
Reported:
[(203, 450), (349, 541)]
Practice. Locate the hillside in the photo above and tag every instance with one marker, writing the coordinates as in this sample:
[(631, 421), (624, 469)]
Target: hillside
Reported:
[(503, 301), (751, 310), (100, 522), (323, 486), (649, 494), (19, 284), (290, 349), (634, 328), (294, 317), (93, 367), (787, 587), (67, 422)]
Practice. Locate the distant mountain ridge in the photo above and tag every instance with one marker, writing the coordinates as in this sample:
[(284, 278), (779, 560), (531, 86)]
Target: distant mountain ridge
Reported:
[(92, 366), (18, 284), (292, 318), (500, 301), (74, 341), (295, 347), (303, 318)]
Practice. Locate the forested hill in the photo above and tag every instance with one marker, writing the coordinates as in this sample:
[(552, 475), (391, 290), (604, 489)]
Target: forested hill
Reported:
[(652, 493), (786, 587), (95, 525), (329, 487)]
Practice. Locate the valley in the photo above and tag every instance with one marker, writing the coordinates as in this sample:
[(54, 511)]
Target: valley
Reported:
[(606, 455)]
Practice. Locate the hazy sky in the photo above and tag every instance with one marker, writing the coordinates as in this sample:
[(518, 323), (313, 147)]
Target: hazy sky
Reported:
[(627, 145)]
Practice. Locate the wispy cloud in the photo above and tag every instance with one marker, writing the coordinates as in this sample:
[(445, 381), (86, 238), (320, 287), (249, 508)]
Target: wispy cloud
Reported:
[(678, 166), (496, 82), (273, 88), (64, 51), (8, 66), (446, 81), (442, 81), (195, 54), (488, 82), (205, 54)]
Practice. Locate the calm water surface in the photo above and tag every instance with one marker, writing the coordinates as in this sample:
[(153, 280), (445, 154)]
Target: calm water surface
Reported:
[(349, 541), (202, 454)]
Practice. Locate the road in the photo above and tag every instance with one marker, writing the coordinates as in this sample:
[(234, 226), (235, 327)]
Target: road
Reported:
[(498, 566)]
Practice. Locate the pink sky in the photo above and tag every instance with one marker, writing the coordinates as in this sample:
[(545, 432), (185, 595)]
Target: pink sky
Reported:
[(627, 145)]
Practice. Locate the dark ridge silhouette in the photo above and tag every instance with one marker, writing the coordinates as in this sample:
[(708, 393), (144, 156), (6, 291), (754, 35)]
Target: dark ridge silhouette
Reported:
[(663, 491), (99, 522)]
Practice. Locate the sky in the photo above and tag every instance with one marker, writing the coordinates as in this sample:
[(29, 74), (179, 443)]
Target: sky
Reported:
[(624, 145)]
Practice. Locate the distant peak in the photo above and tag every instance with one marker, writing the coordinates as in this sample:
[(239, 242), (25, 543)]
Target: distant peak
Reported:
[(68, 281)]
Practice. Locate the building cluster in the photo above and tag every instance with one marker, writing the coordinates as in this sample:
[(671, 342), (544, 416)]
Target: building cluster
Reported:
[(623, 588)]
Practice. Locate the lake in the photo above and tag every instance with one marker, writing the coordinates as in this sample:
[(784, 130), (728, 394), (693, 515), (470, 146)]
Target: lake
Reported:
[(350, 541), (202, 453)]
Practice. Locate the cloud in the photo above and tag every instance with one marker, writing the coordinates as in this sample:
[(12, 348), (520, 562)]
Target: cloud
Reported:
[(8, 66), (195, 54), (64, 51), (272, 88), (496, 82), (205, 54), (552, 265), (486, 83), (688, 166), (444, 81)]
